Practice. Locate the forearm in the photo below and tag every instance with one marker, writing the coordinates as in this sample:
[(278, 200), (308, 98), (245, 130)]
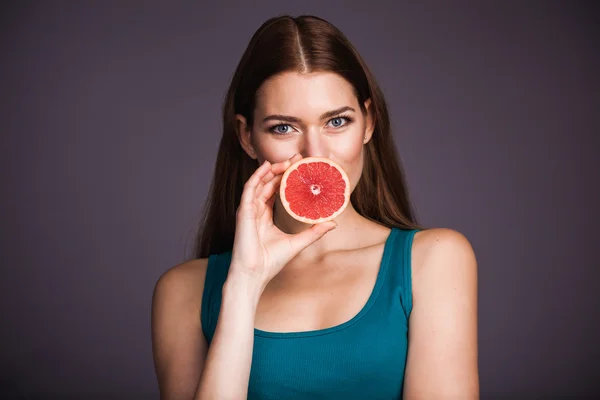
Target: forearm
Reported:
[(227, 366)]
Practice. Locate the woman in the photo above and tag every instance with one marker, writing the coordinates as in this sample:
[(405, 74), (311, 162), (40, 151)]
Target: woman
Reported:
[(271, 308)]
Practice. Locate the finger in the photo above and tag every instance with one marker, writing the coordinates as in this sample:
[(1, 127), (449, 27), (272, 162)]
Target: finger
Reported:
[(264, 180), (267, 211), (270, 203), (249, 193), (269, 188), (296, 157), (279, 168), (302, 240)]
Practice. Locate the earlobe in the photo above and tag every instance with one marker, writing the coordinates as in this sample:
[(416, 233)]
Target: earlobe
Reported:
[(244, 135), (369, 121)]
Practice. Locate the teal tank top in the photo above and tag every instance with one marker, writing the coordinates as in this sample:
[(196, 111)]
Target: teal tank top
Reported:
[(363, 358)]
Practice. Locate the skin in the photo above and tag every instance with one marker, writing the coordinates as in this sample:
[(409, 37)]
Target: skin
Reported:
[(286, 276)]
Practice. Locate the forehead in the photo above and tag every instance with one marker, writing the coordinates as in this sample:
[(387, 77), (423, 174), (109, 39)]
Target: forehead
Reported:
[(293, 93)]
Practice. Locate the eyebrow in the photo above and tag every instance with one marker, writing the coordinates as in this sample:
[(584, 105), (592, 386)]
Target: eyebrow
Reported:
[(328, 114)]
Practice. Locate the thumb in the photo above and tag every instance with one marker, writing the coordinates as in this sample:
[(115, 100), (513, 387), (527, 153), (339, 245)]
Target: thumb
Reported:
[(302, 240)]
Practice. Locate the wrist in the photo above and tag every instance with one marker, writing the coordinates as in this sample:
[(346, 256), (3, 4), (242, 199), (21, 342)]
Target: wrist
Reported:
[(244, 287)]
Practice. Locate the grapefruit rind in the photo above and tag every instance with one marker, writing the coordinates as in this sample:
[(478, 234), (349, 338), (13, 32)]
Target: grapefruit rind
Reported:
[(293, 168)]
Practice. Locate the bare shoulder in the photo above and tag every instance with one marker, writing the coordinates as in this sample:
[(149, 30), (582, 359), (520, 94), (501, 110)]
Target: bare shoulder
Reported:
[(183, 282), (177, 297), (442, 251), (178, 346), (442, 357)]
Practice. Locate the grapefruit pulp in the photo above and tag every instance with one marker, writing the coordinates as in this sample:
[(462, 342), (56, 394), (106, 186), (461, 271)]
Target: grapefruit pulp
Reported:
[(314, 190)]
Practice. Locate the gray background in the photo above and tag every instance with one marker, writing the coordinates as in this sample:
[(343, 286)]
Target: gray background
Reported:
[(110, 124)]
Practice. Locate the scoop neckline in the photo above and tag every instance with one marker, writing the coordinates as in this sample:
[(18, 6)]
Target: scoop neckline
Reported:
[(383, 265)]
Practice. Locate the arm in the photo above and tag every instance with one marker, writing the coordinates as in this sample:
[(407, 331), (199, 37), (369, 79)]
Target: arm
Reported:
[(442, 356), (178, 344), (185, 367), (228, 362)]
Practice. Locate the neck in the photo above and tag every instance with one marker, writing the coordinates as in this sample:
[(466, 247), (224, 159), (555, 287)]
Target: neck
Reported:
[(349, 223)]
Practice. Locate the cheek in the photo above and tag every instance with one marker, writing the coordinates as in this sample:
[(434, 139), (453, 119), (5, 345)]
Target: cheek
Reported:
[(350, 157), (276, 150)]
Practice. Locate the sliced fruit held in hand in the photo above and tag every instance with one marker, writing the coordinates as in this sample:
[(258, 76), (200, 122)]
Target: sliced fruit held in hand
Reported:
[(314, 190)]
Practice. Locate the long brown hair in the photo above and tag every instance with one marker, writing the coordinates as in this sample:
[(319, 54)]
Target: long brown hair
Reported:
[(303, 44)]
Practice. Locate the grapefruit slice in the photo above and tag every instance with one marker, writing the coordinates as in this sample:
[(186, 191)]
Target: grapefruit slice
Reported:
[(314, 190)]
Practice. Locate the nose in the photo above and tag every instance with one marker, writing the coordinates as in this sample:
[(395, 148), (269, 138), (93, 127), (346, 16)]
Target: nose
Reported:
[(313, 145)]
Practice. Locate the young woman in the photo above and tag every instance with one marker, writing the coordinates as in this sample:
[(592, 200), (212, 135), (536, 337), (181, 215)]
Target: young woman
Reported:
[(370, 306)]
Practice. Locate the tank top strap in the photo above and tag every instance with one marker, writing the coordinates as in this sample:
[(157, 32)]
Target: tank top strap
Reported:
[(216, 274), (398, 280)]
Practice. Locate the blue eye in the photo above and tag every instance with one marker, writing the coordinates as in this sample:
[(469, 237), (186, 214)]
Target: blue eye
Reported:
[(337, 122), (284, 129)]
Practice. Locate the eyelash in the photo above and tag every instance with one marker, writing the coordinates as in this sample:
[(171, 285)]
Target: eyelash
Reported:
[(348, 119)]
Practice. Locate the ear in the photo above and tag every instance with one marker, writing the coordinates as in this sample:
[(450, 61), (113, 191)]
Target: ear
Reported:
[(244, 134), (369, 121)]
